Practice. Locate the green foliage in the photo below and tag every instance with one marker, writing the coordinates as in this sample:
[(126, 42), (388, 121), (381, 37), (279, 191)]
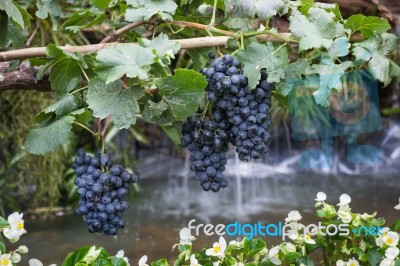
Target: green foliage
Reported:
[(144, 10), (367, 25)]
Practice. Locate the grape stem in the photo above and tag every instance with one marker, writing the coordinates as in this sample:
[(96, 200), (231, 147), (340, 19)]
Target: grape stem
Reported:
[(85, 127), (212, 23)]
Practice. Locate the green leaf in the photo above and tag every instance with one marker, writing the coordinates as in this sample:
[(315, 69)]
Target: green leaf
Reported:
[(293, 73), (16, 13), (292, 256), (330, 75), (182, 92), (306, 261), (367, 25), (49, 138), (118, 262), (258, 56), (339, 48), (316, 30), (16, 36), (161, 262), (2, 246), (174, 133), (375, 51), (74, 257), (156, 109), (374, 256), (64, 106), (395, 226), (144, 9), (162, 47), (4, 42), (50, 8), (112, 100), (245, 8), (102, 4), (305, 6), (65, 75), (82, 20), (397, 262), (3, 223), (253, 246), (125, 59), (241, 24)]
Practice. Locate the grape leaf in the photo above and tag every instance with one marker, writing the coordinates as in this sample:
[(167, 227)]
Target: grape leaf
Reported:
[(316, 30), (102, 4), (144, 9), (50, 8), (330, 75), (182, 92), (173, 132), (162, 47), (258, 56), (340, 47), (82, 20), (112, 100), (367, 25), (245, 8), (156, 109), (125, 59), (305, 6), (293, 73), (375, 51), (65, 75), (63, 106), (242, 24), (48, 138), (16, 13)]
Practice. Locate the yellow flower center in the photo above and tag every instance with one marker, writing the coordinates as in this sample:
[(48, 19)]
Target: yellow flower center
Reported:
[(20, 225), (352, 264), (4, 261), (389, 241), (216, 249), (308, 237)]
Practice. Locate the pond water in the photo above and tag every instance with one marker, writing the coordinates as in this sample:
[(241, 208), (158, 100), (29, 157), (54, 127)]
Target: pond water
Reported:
[(169, 199)]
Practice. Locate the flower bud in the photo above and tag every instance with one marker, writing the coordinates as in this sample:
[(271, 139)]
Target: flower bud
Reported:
[(15, 257), (22, 249)]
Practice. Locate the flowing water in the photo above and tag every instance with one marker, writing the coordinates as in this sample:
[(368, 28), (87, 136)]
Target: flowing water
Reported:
[(266, 192)]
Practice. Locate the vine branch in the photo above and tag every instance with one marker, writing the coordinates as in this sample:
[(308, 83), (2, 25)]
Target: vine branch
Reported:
[(114, 34)]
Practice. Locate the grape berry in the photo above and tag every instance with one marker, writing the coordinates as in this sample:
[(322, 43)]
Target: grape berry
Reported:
[(236, 115), (101, 194)]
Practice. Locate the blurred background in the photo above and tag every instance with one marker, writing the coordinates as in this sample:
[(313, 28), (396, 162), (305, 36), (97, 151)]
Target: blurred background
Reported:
[(167, 197)]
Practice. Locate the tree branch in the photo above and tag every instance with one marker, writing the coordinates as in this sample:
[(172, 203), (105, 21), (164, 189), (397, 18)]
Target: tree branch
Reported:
[(22, 78), (185, 44)]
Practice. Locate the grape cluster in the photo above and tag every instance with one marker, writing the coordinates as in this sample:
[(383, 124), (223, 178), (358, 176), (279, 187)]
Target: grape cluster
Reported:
[(239, 116), (101, 194), (207, 140), (247, 110)]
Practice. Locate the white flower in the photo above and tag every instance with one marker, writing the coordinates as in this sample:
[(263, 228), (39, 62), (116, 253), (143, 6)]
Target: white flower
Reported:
[(293, 216), (353, 262), (273, 255), (344, 200), (216, 263), (15, 257), (143, 260), (383, 231), (121, 254), (345, 216), (5, 260), (22, 249), (235, 243), (218, 248), (290, 247), (363, 245), (387, 262), (391, 239), (293, 234), (194, 261), (392, 253), (367, 216), (185, 236), (321, 196), (397, 207), (35, 262), (16, 228), (340, 263), (91, 255), (379, 242), (308, 239)]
